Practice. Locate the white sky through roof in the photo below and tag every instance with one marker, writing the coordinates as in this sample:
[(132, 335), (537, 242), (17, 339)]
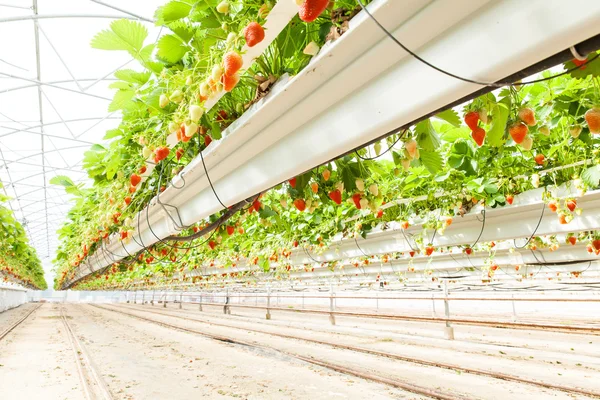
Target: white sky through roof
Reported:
[(36, 146)]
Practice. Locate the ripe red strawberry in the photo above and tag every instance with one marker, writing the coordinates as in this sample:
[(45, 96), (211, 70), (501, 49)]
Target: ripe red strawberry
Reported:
[(478, 135), (518, 131), (300, 204), (142, 169), (571, 204), (336, 196), (179, 153), (404, 224), (471, 119), (510, 198), (411, 253), (161, 153), (149, 259), (572, 240), (232, 63), (256, 205), (592, 117), (212, 244), (127, 200), (356, 200), (379, 213), (311, 9), (230, 230), (448, 221), (123, 234), (429, 250), (254, 33), (494, 267), (553, 206), (596, 244), (580, 63), (539, 159), (295, 244), (207, 140), (135, 179), (293, 182), (526, 115), (468, 251), (222, 116), (230, 81)]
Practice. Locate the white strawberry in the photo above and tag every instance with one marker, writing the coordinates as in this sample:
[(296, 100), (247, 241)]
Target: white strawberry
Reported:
[(173, 127), (163, 101), (191, 129), (575, 130), (176, 96), (360, 185), (373, 189), (405, 163), (216, 73), (364, 203), (411, 148), (196, 112), (311, 49), (204, 89), (377, 148), (527, 143)]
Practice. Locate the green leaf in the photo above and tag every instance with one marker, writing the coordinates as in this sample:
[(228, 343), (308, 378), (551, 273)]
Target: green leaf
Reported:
[(113, 133), (121, 100), (62, 180), (427, 137), (591, 176), (449, 116), (123, 35), (129, 75), (452, 135), (432, 160), (495, 136), (172, 11), (171, 49)]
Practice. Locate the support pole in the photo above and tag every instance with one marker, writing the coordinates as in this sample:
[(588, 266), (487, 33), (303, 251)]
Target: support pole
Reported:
[(152, 301), (331, 305), (514, 309), (226, 309), (200, 305), (433, 306), (268, 316), (180, 300), (135, 297), (165, 300), (448, 330), (143, 297)]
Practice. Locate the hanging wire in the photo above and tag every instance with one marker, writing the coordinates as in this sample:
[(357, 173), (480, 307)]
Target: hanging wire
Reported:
[(534, 231), (209, 180), (482, 228), (468, 80), (390, 147)]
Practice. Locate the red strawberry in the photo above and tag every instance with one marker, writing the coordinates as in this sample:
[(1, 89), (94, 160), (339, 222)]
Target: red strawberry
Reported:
[(132, 189), (494, 267), (510, 198), (207, 140), (222, 116), (448, 221), (404, 224), (127, 200), (230, 81), (161, 153), (123, 234), (580, 63), (212, 244), (471, 119), (295, 244), (592, 117), (311, 9), (526, 115), (300, 204), (539, 159), (135, 179), (411, 253), (478, 135), (149, 259), (314, 187), (179, 153), (256, 205), (293, 182), (230, 230), (562, 219), (571, 204), (254, 33), (379, 213), (553, 206), (336, 196), (142, 169), (468, 251), (429, 250), (572, 240), (232, 63), (518, 131), (596, 244), (356, 200)]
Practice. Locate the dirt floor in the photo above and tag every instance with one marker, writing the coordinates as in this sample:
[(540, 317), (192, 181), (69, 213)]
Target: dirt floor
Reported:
[(140, 359)]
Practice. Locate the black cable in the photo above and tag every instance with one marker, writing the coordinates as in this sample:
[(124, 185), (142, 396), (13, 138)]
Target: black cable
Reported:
[(492, 84), (482, 228), (209, 181)]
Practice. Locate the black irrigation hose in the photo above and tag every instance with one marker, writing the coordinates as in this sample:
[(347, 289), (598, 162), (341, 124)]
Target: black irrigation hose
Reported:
[(534, 231), (390, 147), (450, 74), (482, 228)]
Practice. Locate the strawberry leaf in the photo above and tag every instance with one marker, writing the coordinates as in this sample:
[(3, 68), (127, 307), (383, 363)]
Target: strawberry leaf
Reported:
[(432, 160), (495, 136), (172, 11), (171, 49), (449, 116), (123, 35), (591, 176), (427, 137)]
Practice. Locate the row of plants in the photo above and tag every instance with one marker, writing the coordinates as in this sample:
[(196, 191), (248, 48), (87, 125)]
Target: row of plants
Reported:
[(18, 260), (494, 147)]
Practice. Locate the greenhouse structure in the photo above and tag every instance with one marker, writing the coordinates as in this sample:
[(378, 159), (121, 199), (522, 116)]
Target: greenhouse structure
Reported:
[(299, 199)]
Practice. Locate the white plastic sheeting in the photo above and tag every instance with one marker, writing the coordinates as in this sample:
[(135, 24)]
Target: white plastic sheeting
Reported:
[(11, 298)]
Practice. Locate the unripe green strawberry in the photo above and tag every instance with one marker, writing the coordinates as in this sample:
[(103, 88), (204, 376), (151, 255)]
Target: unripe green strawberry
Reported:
[(311, 49), (196, 112), (191, 129), (163, 101), (176, 96), (173, 127), (223, 7)]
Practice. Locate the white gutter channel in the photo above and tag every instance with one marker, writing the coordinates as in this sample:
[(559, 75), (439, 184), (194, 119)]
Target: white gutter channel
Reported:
[(362, 86)]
